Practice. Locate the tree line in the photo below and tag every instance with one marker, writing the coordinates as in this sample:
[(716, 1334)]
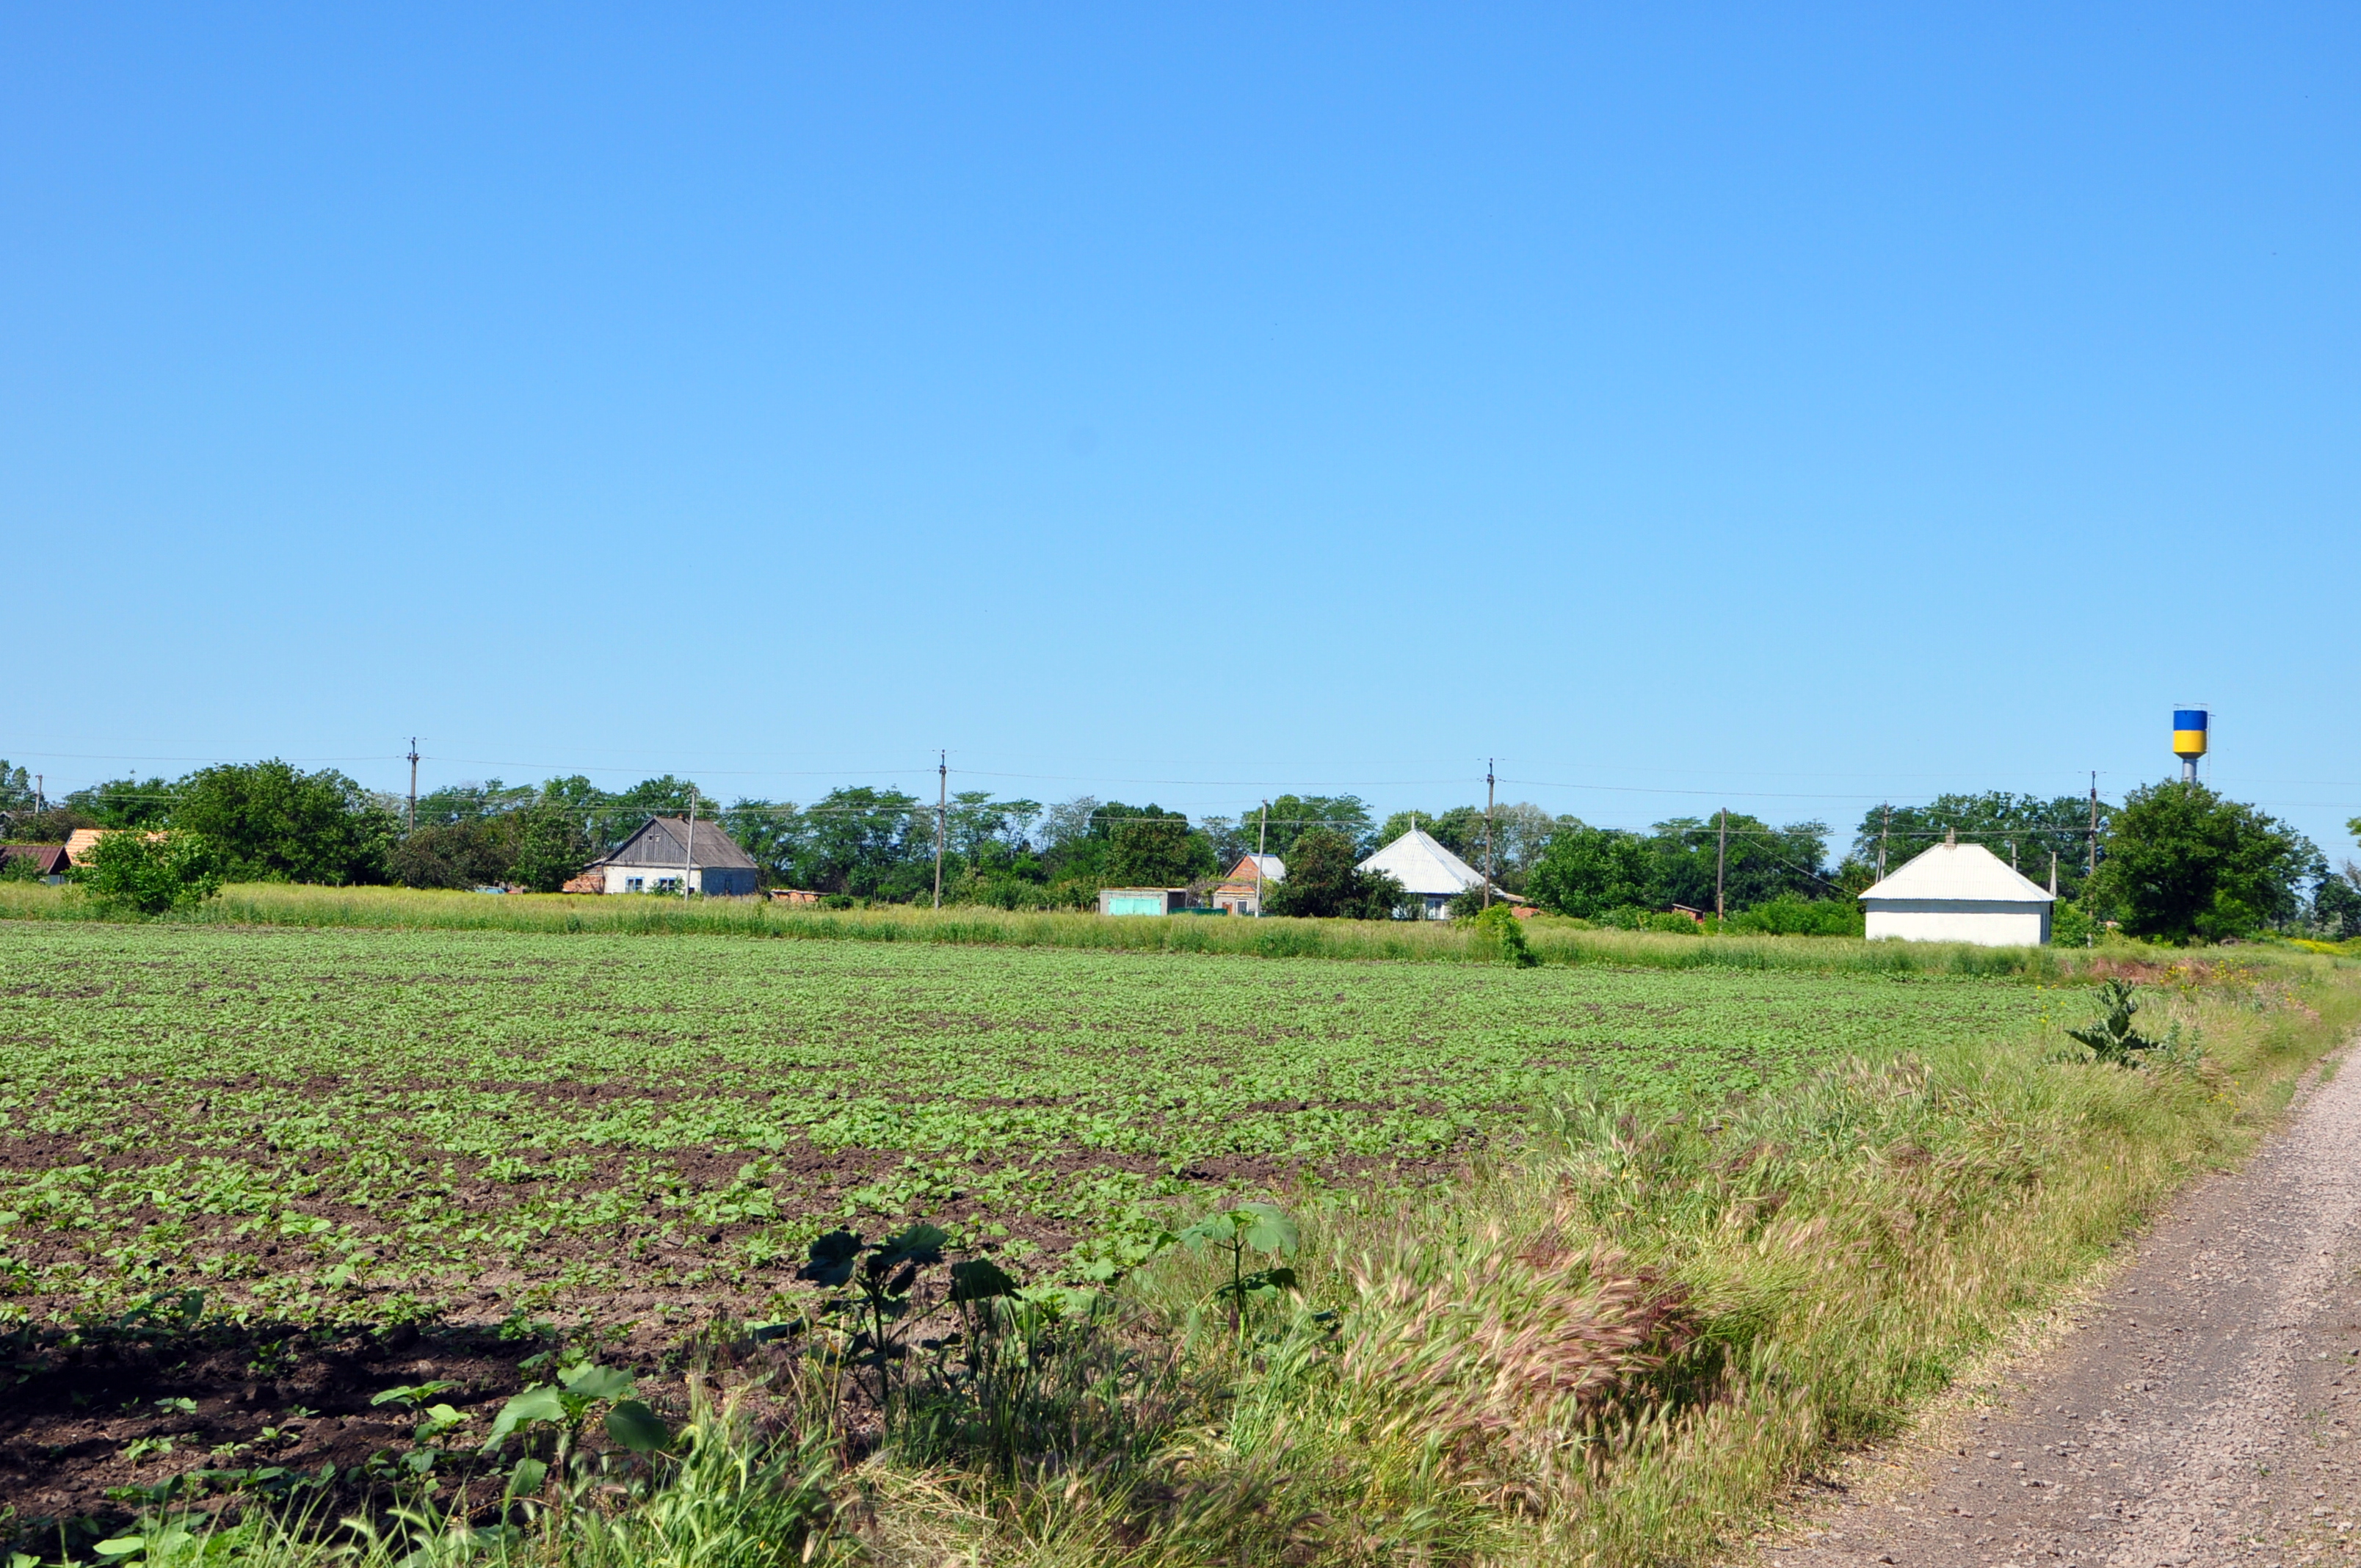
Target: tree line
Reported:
[(2173, 860)]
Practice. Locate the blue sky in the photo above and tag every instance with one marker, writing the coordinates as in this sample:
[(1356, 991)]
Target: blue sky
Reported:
[(1782, 408)]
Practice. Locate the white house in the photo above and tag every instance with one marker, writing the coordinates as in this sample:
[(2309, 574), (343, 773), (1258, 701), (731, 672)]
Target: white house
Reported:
[(1427, 869), (1960, 892), (654, 859)]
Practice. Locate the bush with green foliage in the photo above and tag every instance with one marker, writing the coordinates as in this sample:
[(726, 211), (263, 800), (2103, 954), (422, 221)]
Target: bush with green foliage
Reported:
[(1586, 871), (1631, 918), (1788, 916), (152, 873), (273, 823), (2071, 925), (2184, 863), (1497, 935)]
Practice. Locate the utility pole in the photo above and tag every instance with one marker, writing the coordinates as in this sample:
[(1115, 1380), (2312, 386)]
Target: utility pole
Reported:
[(942, 800), (1489, 786), (688, 851), (2094, 822), (1884, 828), (412, 826), (1721, 859), (40, 792), (1262, 838), (2053, 874)]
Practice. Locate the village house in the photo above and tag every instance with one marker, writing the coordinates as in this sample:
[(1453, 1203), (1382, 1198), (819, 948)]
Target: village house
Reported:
[(51, 862), (654, 859), (1436, 876), (1240, 893), (1960, 892)]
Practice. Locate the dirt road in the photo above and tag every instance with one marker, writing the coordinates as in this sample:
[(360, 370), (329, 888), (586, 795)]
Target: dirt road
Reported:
[(2201, 1409)]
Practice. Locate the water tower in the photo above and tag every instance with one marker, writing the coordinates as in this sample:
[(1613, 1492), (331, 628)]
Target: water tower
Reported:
[(2189, 740)]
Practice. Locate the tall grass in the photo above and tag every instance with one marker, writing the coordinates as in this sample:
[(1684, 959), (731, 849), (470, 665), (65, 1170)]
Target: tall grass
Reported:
[(1614, 1350), (1553, 941)]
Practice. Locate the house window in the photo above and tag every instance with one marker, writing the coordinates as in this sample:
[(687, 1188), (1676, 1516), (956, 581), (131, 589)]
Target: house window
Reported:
[(632, 884), (667, 884)]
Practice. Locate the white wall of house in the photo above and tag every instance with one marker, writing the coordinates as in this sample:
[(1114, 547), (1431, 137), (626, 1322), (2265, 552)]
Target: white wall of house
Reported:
[(1987, 923), (714, 882)]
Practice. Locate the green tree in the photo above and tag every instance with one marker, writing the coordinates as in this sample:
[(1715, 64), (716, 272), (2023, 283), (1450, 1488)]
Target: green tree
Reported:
[(1324, 881), (2184, 863), (871, 843), (1159, 851), (152, 871), (273, 823), (453, 855), (1291, 816), (126, 803), (2336, 907), (1762, 861), (1589, 870), (551, 846)]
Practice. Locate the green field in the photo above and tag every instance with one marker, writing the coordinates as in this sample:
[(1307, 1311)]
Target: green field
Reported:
[(326, 1124)]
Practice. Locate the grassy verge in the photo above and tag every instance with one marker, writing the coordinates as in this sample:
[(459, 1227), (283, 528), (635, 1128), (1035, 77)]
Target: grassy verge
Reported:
[(1612, 1350), (1553, 941)]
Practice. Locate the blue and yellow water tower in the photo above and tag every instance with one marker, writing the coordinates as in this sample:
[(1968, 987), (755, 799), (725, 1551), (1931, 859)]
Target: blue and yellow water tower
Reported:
[(2189, 740)]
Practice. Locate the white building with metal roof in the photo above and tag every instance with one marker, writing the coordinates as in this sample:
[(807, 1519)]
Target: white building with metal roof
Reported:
[(1425, 868), (657, 857), (1960, 892)]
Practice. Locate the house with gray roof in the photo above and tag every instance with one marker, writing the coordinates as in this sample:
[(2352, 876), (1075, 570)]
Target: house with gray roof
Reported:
[(662, 852)]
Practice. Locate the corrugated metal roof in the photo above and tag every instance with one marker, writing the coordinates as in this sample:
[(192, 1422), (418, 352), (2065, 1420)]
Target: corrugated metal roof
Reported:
[(658, 843), (1272, 868), (49, 858), (1423, 866), (1966, 871)]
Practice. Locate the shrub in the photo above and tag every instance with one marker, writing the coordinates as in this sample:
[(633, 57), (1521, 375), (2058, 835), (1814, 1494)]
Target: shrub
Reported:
[(151, 872), (1499, 937), (1788, 916)]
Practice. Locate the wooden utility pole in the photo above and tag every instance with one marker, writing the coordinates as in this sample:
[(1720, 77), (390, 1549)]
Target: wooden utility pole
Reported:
[(2094, 822), (1489, 787), (688, 851), (413, 826), (1884, 828), (942, 801), (1721, 859), (1262, 839), (40, 792)]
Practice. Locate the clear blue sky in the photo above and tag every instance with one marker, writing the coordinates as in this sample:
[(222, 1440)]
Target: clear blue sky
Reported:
[(1790, 407)]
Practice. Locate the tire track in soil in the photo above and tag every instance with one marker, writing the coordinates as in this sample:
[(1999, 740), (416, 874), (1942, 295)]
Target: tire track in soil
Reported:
[(2201, 1409)]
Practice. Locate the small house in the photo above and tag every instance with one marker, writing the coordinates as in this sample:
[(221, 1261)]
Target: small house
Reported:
[(1240, 893), (51, 862), (1143, 900), (657, 857), (1420, 862), (1960, 892)]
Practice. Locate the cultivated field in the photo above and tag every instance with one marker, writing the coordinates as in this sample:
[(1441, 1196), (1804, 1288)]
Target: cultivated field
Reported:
[(1595, 1257), (320, 1125)]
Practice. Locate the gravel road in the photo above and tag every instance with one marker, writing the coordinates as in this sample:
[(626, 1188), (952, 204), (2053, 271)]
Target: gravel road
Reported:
[(2201, 1410)]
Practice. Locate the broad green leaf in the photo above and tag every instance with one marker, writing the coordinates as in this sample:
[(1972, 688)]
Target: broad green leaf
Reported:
[(915, 1244), (591, 1381), (533, 1405), (1268, 1228), (527, 1478), (832, 1258), (980, 1279), (121, 1546), (637, 1427)]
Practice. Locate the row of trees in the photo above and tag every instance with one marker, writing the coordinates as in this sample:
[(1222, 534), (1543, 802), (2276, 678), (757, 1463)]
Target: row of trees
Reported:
[(2176, 861)]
